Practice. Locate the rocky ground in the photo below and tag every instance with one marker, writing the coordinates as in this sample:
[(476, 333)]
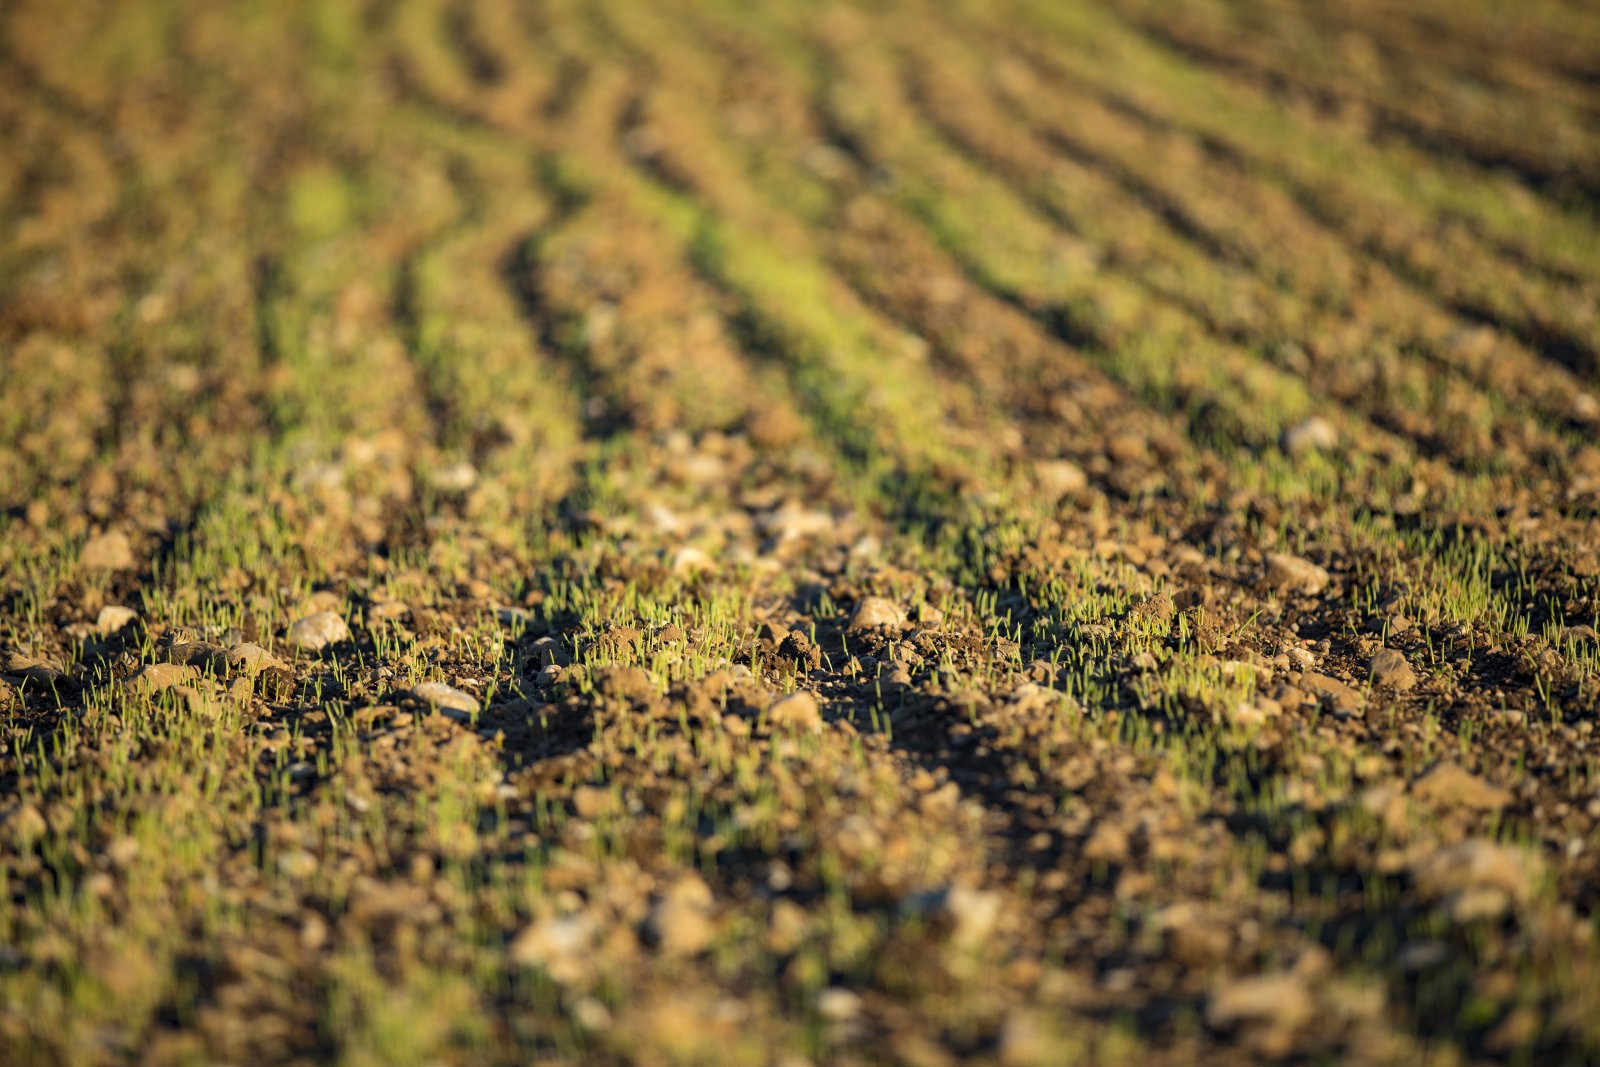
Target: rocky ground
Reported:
[(590, 531)]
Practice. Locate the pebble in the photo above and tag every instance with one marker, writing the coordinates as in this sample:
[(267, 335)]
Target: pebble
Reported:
[(1276, 1004), (1254, 713), (838, 1005), (1293, 574), (1478, 878), (109, 551), (1314, 434), (32, 669), (973, 914), (158, 676), (875, 612), (113, 617), (681, 920), (559, 944), (1390, 670), (318, 631), (1107, 844), (1341, 696), (454, 478), (1447, 784), (1060, 477), (797, 710), (1024, 1041), (249, 657), (450, 701), (689, 559)]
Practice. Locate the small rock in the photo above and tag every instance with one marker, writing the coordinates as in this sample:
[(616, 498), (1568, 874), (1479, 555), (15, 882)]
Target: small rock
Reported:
[(113, 617), (158, 676), (875, 612), (838, 1005), (31, 669), (591, 1014), (514, 617), (973, 914), (592, 801), (559, 944), (1192, 936), (24, 824), (109, 551), (1314, 434), (1107, 844), (1417, 956), (1292, 574), (1157, 609), (796, 711), (1477, 878), (1254, 713), (1302, 659), (199, 654), (791, 523), (681, 920), (1272, 1006), (450, 701), (453, 478), (1447, 784), (388, 610), (547, 650), (247, 657), (318, 631), (1391, 671), (1343, 698), (1024, 1041), (1058, 478), (274, 684), (689, 560)]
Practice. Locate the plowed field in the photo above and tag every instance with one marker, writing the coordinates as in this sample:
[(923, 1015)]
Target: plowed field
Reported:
[(1023, 532)]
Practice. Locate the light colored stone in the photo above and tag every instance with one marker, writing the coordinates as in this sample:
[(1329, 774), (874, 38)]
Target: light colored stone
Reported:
[(1291, 574), (317, 631), (838, 1005), (875, 613), (159, 676), (796, 711), (560, 944), (974, 913), (689, 560), (113, 617), (682, 920), (1341, 696), (1447, 784), (1108, 843), (1273, 1007), (109, 551), (1254, 713), (1025, 1041), (1478, 878), (250, 658), (450, 701), (790, 523), (1391, 671), (1060, 477), (1314, 434), (454, 477)]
